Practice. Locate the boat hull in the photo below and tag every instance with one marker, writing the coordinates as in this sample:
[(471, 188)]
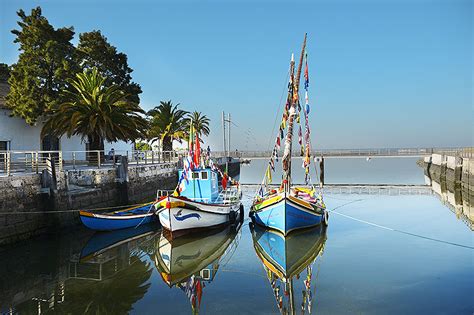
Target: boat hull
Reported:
[(288, 214), (185, 216), (114, 221)]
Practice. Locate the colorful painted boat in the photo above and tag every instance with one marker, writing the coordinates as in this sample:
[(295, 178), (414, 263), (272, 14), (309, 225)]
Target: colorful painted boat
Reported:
[(199, 201), (288, 207), (289, 212), (191, 262), (116, 220), (288, 262)]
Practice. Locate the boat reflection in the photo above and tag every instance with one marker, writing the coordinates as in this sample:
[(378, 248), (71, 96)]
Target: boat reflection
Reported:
[(108, 273), (190, 262), (288, 262)]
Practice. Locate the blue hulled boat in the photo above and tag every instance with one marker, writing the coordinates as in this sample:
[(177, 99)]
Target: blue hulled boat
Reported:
[(290, 207), (116, 220), (288, 212)]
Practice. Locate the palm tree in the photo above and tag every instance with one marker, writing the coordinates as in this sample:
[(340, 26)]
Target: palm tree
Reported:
[(200, 123), (96, 112), (167, 122)]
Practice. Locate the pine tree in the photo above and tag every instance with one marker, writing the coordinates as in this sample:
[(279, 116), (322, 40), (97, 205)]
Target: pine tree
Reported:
[(46, 61), (96, 52)]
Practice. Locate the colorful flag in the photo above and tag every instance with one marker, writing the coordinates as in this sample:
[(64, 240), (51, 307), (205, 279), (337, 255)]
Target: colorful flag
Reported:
[(306, 74), (300, 136), (224, 181), (197, 152), (269, 175)]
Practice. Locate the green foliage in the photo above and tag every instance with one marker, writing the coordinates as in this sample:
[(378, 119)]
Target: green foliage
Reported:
[(97, 112), (4, 72), (46, 61), (167, 122), (200, 123), (95, 52), (142, 146)]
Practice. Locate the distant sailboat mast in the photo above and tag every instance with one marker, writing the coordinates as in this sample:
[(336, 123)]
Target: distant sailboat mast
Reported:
[(286, 160)]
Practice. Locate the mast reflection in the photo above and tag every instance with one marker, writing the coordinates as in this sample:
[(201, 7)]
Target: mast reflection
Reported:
[(288, 262), (190, 262)]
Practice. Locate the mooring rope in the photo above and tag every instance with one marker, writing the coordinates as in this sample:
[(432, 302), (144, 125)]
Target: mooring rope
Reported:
[(392, 229), (76, 210)]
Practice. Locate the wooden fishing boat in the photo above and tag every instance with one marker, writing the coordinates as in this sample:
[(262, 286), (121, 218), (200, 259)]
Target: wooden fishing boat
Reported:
[(286, 258), (122, 219), (190, 263), (290, 207), (199, 201)]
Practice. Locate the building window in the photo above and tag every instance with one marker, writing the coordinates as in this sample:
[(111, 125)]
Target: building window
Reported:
[(203, 175), (4, 145), (50, 143), (195, 175)]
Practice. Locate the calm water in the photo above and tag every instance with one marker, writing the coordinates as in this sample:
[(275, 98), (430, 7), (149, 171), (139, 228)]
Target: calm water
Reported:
[(344, 171), (351, 267)]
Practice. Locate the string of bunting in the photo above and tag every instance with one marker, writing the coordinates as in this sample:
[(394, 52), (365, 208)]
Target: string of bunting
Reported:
[(307, 158)]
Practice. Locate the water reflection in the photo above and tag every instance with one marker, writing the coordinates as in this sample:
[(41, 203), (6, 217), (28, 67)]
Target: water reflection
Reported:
[(452, 194), (288, 262), (106, 274), (190, 262)]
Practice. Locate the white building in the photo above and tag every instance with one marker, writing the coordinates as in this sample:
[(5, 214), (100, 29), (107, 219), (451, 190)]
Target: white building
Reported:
[(17, 135)]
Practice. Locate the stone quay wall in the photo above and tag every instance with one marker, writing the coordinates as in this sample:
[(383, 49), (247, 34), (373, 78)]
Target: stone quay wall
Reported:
[(28, 208)]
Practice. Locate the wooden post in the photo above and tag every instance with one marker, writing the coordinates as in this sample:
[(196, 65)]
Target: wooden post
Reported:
[(98, 159), (8, 159), (36, 162), (60, 160)]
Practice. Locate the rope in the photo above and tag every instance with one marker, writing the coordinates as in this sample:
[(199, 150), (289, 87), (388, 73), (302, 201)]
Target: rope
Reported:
[(394, 230), (77, 210)]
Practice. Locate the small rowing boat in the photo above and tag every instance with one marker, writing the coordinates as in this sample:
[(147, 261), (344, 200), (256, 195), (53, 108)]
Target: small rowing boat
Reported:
[(121, 219)]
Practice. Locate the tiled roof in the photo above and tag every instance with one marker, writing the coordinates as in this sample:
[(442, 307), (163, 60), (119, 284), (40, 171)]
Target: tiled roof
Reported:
[(4, 88)]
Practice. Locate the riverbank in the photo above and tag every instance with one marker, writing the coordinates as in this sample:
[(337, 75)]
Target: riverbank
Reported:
[(34, 204)]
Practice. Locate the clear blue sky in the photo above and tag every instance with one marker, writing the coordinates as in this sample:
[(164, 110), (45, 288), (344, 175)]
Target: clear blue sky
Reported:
[(383, 73)]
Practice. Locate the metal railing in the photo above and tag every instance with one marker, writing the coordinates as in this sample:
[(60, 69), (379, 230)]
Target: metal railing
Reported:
[(386, 152), (15, 162)]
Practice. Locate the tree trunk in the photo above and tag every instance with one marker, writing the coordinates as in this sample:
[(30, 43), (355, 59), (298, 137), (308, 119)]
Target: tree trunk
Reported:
[(167, 144), (96, 143)]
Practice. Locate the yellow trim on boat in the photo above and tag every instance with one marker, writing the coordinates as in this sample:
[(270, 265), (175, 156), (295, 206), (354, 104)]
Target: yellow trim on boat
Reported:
[(86, 213), (270, 201), (300, 202)]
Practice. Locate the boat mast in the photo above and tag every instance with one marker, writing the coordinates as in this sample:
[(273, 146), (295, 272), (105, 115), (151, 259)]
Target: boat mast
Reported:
[(286, 160), (223, 134)]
